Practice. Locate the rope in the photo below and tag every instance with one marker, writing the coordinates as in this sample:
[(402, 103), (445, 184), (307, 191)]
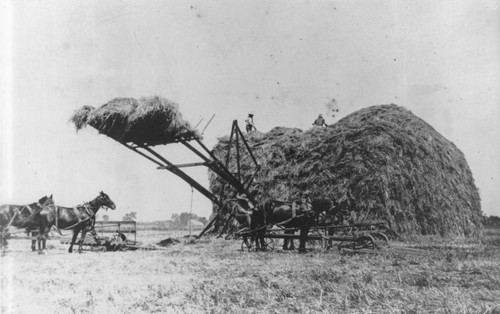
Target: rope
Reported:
[(288, 220)]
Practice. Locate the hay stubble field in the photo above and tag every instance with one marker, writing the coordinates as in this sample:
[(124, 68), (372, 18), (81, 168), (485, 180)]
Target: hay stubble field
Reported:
[(214, 276)]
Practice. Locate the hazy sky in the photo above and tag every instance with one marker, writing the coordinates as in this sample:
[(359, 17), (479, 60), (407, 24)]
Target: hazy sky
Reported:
[(281, 60)]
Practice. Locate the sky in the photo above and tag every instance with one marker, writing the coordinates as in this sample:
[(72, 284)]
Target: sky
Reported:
[(280, 60)]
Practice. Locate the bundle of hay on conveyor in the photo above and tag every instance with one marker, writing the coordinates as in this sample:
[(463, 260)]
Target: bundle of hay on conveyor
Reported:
[(148, 120), (382, 161)]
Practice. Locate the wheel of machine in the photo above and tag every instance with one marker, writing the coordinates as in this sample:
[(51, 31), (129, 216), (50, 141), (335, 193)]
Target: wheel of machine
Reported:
[(269, 244), (364, 242), (381, 240)]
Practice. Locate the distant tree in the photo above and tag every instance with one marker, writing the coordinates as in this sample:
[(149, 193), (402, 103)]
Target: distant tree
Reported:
[(182, 220), (185, 217), (130, 216), (176, 220), (492, 221), (105, 218)]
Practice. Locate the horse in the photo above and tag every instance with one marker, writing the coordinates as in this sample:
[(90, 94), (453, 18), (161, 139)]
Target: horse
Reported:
[(21, 216), (80, 218), (293, 215)]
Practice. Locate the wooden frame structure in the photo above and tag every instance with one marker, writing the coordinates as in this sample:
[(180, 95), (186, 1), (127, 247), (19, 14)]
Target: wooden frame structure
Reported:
[(209, 160), (112, 226)]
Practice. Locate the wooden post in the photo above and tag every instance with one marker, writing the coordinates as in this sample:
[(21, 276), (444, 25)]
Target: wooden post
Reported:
[(190, 213)]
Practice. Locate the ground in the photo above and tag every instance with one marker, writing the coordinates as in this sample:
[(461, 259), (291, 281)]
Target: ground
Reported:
[(215, 276)]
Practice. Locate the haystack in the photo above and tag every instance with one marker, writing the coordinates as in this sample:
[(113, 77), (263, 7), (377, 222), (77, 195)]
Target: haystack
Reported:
[(148, 120), (382, 162)]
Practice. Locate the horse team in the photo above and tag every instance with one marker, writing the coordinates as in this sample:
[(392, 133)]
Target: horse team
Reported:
[(301, 215), (44, 215)]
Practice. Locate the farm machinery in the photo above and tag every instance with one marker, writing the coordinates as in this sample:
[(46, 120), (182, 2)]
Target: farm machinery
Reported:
[(142, 138), (363, 234), (110, 236)]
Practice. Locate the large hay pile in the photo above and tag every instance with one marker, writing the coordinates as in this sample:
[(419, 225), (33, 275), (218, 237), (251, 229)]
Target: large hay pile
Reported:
[(381, 161), (149, 120)]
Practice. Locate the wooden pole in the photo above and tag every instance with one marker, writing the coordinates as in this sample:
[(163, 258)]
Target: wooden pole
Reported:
[(238, 158), (191, 212)]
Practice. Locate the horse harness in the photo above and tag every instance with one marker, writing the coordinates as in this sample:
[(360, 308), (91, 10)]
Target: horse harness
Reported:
[(304, 204), (18, 212), (87, 210)]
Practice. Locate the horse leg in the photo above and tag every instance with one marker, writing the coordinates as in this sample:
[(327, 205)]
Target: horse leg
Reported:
[(255, 237), (36, 237), (285, 243), (73, 239), (84, 232), (304, 231), (330, 242), (42, 240), (43, 231), (39, 242), (263, 240), (33, 241), (288, 242), (3, 240), (291, 246), (260, 241)]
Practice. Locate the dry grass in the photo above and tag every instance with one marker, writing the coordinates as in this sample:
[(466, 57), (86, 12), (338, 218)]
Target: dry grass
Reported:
[(382, 161), (148, 120), (213, 276)]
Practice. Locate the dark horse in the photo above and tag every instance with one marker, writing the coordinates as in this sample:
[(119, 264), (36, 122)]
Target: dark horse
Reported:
[(21, 216), (80, 218), (300, 215)]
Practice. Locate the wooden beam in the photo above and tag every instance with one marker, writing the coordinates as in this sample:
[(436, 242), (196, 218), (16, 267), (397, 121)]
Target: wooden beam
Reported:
[(193, 164), (172, 168)]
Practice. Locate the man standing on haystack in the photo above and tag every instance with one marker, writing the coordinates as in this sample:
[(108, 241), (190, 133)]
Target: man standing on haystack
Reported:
[(249, 123), (319, 121), (305, 201)]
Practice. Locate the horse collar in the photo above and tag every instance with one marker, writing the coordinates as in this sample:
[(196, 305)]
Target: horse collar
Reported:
[(89, 211), (26, 207)]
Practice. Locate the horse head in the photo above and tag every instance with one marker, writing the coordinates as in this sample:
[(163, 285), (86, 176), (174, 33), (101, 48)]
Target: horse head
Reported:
[(46, 201), (105, 201), (326, 206)]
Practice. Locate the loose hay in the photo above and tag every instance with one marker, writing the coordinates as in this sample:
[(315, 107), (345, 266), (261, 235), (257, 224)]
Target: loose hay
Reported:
[(80, 116), (381, 161), (168, 242), (149, 120)]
